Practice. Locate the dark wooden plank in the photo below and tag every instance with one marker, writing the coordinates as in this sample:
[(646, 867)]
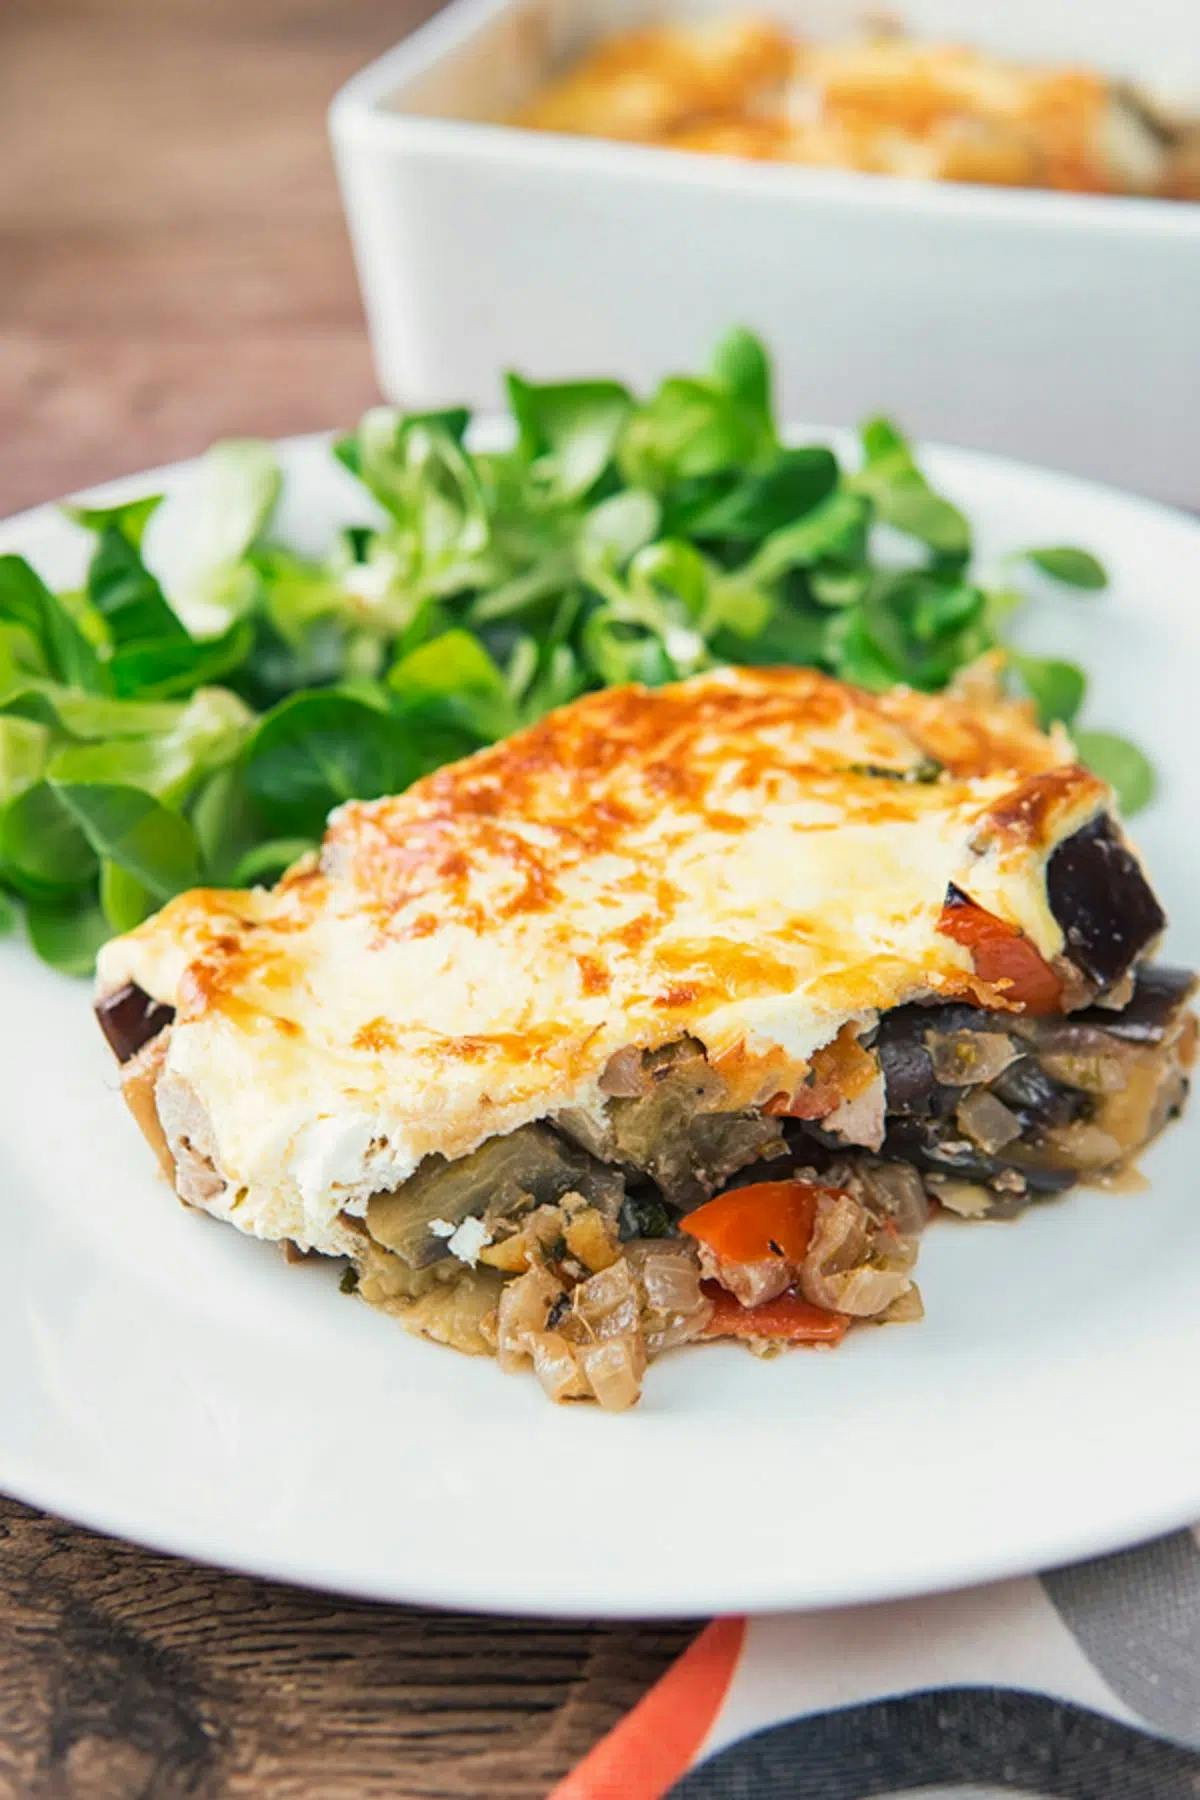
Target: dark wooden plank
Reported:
[(176, 266), (175, 269), (122, 1672), (89, 408)]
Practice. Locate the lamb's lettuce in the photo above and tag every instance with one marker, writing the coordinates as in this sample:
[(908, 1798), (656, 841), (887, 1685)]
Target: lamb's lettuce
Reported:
[(316, 750), (196, 543), (1126, 769), (194, 710), (49, 626), (24, 749), (125, 594), (128, 826), (68, 933)]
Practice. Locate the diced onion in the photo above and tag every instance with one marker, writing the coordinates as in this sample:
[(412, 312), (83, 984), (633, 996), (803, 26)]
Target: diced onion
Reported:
[(613, 1369), (1093, 1074), (905, 1309), (521, 1311), (676, 1309), (987, 1121), (963, 1058), (669, 1276), (850, 1267), (555, 1366), (864, 1293), (607, 1304), (1085, 1146), (889, 1190), (593, 1340), (969, 1199), (592, 1239)]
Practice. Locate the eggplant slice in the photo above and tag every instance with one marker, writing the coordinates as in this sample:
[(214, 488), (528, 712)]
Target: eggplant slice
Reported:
[(129, 1018), (1085, 1091), (1107, 909)]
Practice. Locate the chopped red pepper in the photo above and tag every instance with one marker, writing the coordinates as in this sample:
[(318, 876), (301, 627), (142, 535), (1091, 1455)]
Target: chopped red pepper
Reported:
[(1003, 957), (788, 1319), (749, 1224)]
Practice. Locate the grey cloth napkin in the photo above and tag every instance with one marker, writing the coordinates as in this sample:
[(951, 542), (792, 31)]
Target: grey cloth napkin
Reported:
[(1080, 1684)]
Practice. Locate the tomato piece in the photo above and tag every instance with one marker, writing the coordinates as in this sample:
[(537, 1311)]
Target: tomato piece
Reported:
[(788, 1319), (1003, 956), (749, 1224)]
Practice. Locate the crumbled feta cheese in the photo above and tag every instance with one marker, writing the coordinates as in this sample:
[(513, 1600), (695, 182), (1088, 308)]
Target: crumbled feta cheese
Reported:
[(469, 1240), (464, 1241)]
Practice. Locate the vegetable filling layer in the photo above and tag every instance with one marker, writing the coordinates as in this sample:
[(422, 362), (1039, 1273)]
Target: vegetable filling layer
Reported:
[(585, 1252)]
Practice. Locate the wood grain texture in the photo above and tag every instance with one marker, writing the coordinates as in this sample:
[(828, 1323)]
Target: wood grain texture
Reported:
[(173, 261), (124, 1673), (174, 268)]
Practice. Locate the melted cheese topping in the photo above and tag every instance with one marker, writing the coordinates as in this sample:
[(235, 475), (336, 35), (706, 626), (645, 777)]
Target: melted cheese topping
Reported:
[(883, 104), (752, 857)]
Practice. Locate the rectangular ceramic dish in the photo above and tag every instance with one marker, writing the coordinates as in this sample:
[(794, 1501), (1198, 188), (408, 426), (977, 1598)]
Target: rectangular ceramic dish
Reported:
[(1052, 326)]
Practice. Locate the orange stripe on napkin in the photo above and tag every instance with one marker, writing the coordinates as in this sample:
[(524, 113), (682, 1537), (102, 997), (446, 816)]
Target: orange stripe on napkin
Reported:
[(654, 1745)]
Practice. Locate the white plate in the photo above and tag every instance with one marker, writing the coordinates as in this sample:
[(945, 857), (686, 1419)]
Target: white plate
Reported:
[(163, 1378)]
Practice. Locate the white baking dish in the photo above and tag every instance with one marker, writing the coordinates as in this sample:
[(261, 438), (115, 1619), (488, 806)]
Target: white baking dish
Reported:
[(1057, 327)]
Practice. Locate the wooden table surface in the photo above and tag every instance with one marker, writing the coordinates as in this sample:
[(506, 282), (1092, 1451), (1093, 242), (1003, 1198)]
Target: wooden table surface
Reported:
[(174, 268)]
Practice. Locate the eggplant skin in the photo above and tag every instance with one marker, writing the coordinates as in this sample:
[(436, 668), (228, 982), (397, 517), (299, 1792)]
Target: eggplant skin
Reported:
[(1054, 1083), (922, 1143), (129, 1018), (532, 1164), (1153, 1011), (1101, 899)]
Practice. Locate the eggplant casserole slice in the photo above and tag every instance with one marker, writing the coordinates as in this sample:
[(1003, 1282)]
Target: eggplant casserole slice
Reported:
[(669, 1018)]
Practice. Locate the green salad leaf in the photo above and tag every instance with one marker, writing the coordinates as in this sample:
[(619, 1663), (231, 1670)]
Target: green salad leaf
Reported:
[(195, 710), (44, 851), (67, 934), (741, 366), (452, 680), (266, 862), (164, 666), (125, 594), (24, 748), (130, 517), (1073, 567), (568, 431), (1127, 771), (1056, 688), (196, 543), (314, 751), (124, 900), (49, 624), (226, 822), (129, 827), (890, 477)]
